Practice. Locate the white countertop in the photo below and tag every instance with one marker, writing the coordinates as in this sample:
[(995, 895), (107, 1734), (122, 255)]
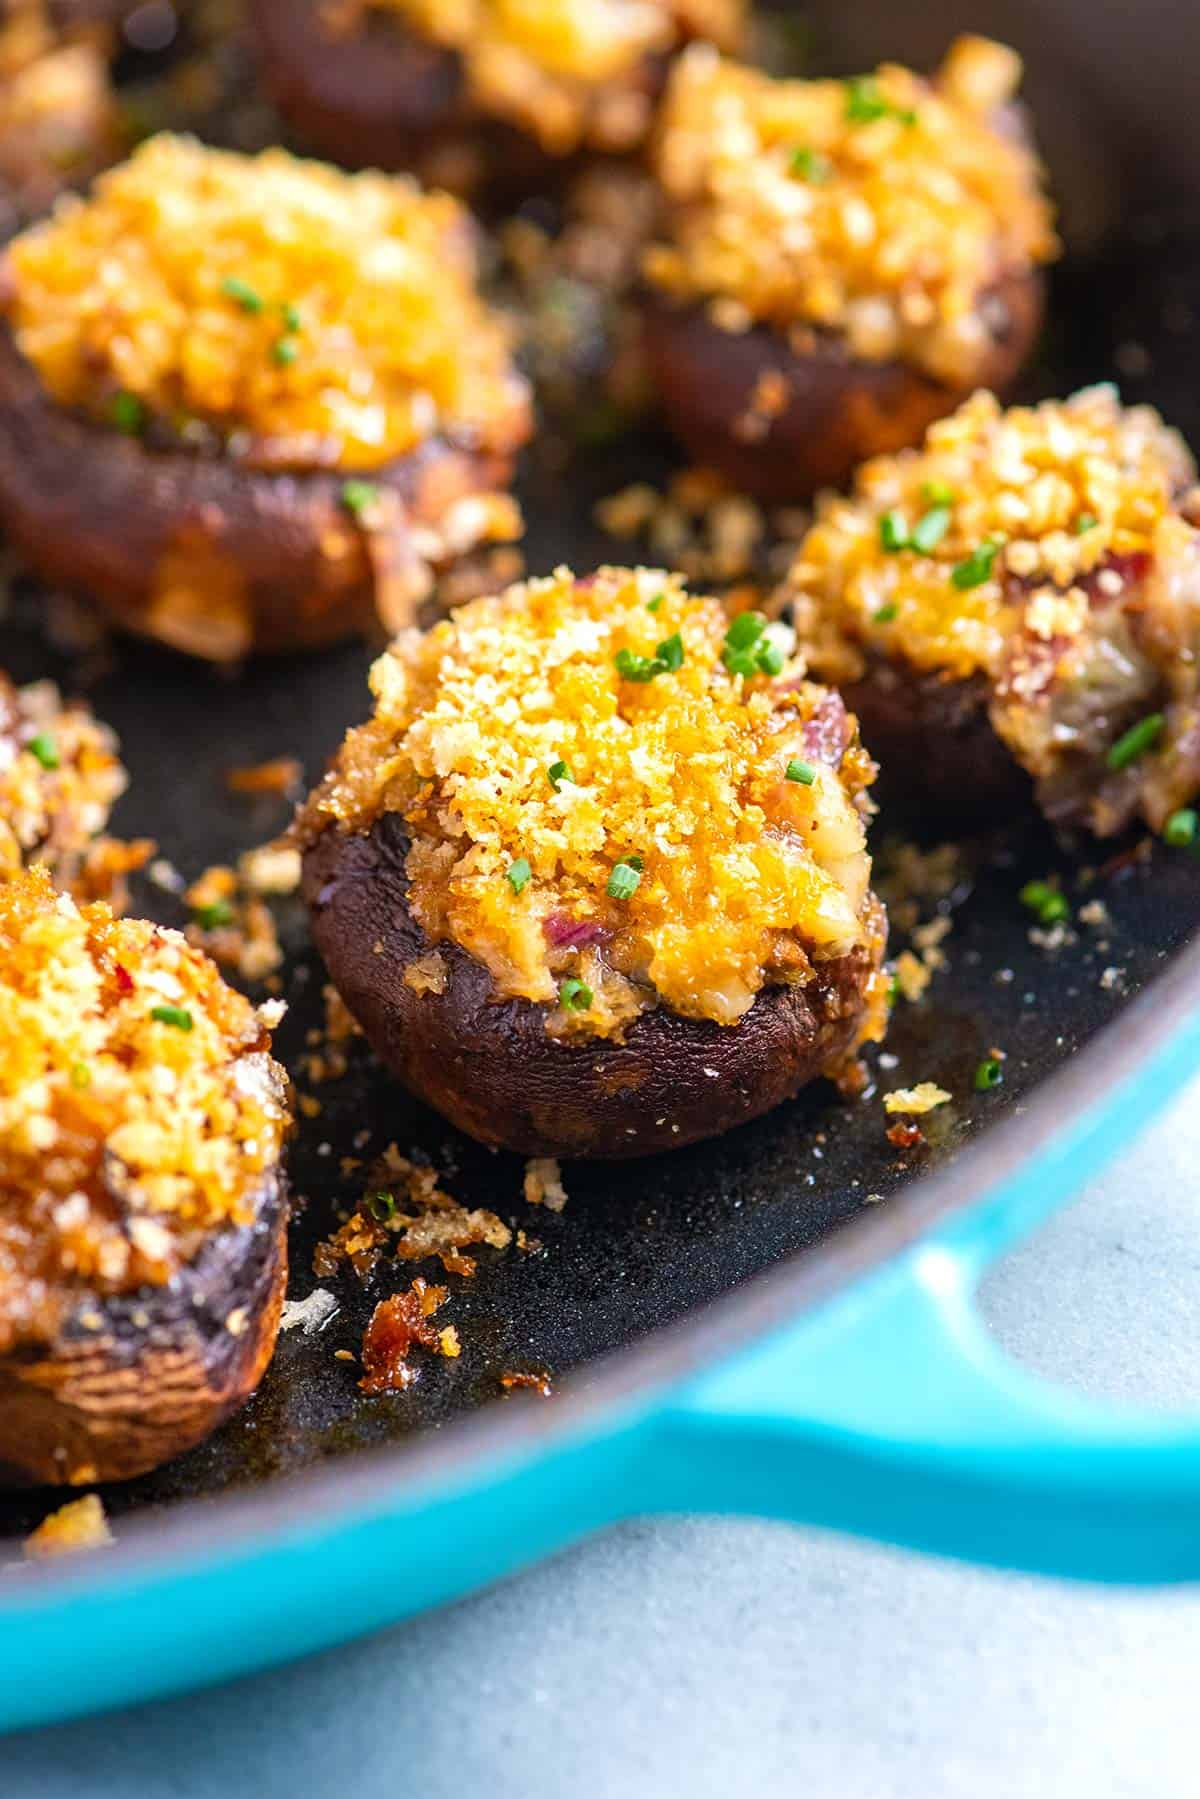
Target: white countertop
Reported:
[(702, 1657)]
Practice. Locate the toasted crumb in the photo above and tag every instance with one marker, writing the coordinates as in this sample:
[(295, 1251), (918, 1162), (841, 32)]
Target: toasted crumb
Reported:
[(543, 1184), (403, 1201), (80, 1524), (282, 775), (309, 1315), (396, 1324), (924, 1097), (912, 976)]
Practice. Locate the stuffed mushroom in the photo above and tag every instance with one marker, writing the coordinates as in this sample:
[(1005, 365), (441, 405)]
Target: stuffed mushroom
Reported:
[(842, 263), (1014, 608), (477, 90), (251, 403), (60, 776), (594, 877), (142, 1208), (59, 122)]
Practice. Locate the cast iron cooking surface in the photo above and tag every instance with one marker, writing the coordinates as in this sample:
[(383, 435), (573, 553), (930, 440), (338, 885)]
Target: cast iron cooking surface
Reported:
[(640, 1244)]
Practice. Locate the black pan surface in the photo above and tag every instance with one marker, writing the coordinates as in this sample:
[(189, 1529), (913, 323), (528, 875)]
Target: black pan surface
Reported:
[(637, 1248)]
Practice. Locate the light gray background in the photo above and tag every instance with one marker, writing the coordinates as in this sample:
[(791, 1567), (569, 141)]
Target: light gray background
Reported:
[(701, 1657)]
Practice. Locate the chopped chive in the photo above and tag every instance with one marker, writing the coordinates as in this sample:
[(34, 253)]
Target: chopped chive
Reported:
[(1087, 521), (654, 604), (669, 653), (519, 874), (746, 629), (809, 165), (886, 614), (557, 773), (1055, 909), (382, 1207), (937, 493), (291, 316), (804, 772), (210, 918), (893, 990), (575, 995), (864, 102), (358, 497), (929, 531), (1136, 741), (285, 351), (634, 862), (623, 882), (81, 1076), (1049, 904), (128, 414), (893, 531), (1180, 829), (178, 1017), (976, 568), (989, 1074), (44, 748), (241, 291), (770, 659), (1034, 894)]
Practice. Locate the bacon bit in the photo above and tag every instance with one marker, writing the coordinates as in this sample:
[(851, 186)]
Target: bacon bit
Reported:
[(905, 1135), (535, 1383), (80, 1524), (924, 1097), (283, 776), (396, 1324)]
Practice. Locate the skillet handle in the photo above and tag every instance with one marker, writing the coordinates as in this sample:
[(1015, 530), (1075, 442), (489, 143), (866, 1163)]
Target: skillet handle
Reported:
[(891, 1413)]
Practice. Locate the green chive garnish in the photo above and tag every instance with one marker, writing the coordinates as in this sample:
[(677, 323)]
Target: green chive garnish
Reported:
[(358, 497), (285, 352), (1136, 741), (929, 531), (128, 414), (634, 862), (575, 995), (382, 1206), (210, 918), (989, 1074), (1055, 909), (748, 650), (886, 614), (1087, 521), (654, 604), (235, 289), (937, 493), (291, 316), (667, 658), (557, 773), (623, 882), (1046, 901), (44, 748), (976, 568), (864, 102), (178, 1017), (1180, 829), (804, 772), (809, 165), (519, 875), (81, 1076), (893, 531)]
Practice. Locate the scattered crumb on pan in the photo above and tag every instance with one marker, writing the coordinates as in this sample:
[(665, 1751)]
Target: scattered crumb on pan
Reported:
[(517, 1380), (311, 1314), (78, 1525), (397, 1324), (915, 1101), (543, 1183), (404, 1206)]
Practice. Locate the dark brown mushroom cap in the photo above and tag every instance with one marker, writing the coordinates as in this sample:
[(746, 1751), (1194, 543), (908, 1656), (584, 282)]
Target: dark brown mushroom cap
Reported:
[(942, 764), (490, 1067), (256, 559), (716, 390), (128, 1382)]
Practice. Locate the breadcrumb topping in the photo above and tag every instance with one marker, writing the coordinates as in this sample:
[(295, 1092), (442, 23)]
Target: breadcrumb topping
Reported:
[(139, 1105), (883, 208), (603, 810), (60, 776), (307, 317), (567, 71), (1041, 497)]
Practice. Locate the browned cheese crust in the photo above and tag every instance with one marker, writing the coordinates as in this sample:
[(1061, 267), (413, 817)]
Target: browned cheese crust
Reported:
[(493, 1070)]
